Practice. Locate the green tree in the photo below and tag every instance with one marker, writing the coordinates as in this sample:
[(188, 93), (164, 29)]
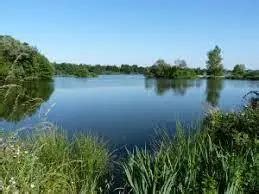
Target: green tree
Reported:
[(239, 70), (214, 63), (181, 63), (162, 68), (19, 61)]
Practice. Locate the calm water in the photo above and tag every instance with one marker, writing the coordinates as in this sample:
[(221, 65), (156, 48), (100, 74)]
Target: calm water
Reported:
[(124, 109)]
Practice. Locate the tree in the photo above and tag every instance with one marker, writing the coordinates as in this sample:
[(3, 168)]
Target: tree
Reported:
[(19, 61), (214, 63), (181, 63), (162, 68), (239, 70)]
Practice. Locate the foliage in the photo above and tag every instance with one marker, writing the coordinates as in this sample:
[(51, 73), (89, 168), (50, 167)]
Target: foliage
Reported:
[(240, 73), (48, 162), (19, 61), (220, 158), (68, 69), (239, 70), (252, 75), (181, 63), (161, 69), (214, 63), (93, 70)]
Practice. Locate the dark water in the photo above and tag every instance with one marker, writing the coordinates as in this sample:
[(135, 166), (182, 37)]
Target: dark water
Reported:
[(124, 109)]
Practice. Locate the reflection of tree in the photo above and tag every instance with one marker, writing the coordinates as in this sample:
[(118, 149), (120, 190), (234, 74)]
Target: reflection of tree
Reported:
[(214, 87), (162, 85), (178, 86), (149, 83), (19, 101)]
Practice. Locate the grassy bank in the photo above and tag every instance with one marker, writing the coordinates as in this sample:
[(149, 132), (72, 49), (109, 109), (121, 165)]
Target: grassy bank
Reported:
[(47, 162), (219, 157)]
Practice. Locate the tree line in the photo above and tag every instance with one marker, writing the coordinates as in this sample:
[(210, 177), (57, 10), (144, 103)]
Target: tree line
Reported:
[(20, 61), (83, 70)]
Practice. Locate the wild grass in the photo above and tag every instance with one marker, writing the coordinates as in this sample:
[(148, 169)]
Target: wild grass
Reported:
[(48, 162), (220, 157), (201, 162)]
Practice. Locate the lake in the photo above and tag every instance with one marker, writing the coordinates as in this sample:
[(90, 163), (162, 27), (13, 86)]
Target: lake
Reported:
[(123, 109)]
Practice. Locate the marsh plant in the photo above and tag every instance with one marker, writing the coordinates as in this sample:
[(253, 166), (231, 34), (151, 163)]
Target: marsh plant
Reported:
[(220, 158), (48, 162)]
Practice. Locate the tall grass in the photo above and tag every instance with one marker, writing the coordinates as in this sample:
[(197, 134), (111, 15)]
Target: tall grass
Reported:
[(221, 157), (199, 163), (48, 162)]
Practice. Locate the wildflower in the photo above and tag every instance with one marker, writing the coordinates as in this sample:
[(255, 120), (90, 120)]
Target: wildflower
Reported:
[(32, 186), (12, 181)]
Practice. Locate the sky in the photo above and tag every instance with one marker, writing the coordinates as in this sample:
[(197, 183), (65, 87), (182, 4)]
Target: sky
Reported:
[(136, 31)]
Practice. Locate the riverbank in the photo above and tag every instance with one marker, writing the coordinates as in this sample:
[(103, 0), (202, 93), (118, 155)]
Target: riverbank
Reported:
[(219, 156)]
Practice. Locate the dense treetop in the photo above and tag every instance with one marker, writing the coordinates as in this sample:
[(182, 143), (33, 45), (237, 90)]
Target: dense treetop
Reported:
[(162, 69), (20, 61)]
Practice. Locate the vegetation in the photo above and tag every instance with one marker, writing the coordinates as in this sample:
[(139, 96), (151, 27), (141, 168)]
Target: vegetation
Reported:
[(19, 61), (214, 63), (240, 72), (67, 69), (252, 75), (48, 162), (82, 70), (161, 69), (220, 158)]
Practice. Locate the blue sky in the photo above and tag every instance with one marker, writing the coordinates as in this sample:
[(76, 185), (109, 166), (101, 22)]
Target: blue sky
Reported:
[(136, 31)]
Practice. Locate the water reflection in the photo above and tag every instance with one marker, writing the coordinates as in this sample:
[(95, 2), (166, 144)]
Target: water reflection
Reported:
[(19, 101), (213, 89), (178, 86)]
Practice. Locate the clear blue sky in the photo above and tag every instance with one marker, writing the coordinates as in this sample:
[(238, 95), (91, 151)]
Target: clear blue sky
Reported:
[(136, 31)]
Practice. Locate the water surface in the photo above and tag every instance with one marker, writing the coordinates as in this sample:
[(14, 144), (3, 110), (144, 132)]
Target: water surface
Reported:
[(124, 109)]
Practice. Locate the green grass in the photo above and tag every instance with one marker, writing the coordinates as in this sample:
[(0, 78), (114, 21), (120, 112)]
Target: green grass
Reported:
[(220, 158), (47, 162)]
